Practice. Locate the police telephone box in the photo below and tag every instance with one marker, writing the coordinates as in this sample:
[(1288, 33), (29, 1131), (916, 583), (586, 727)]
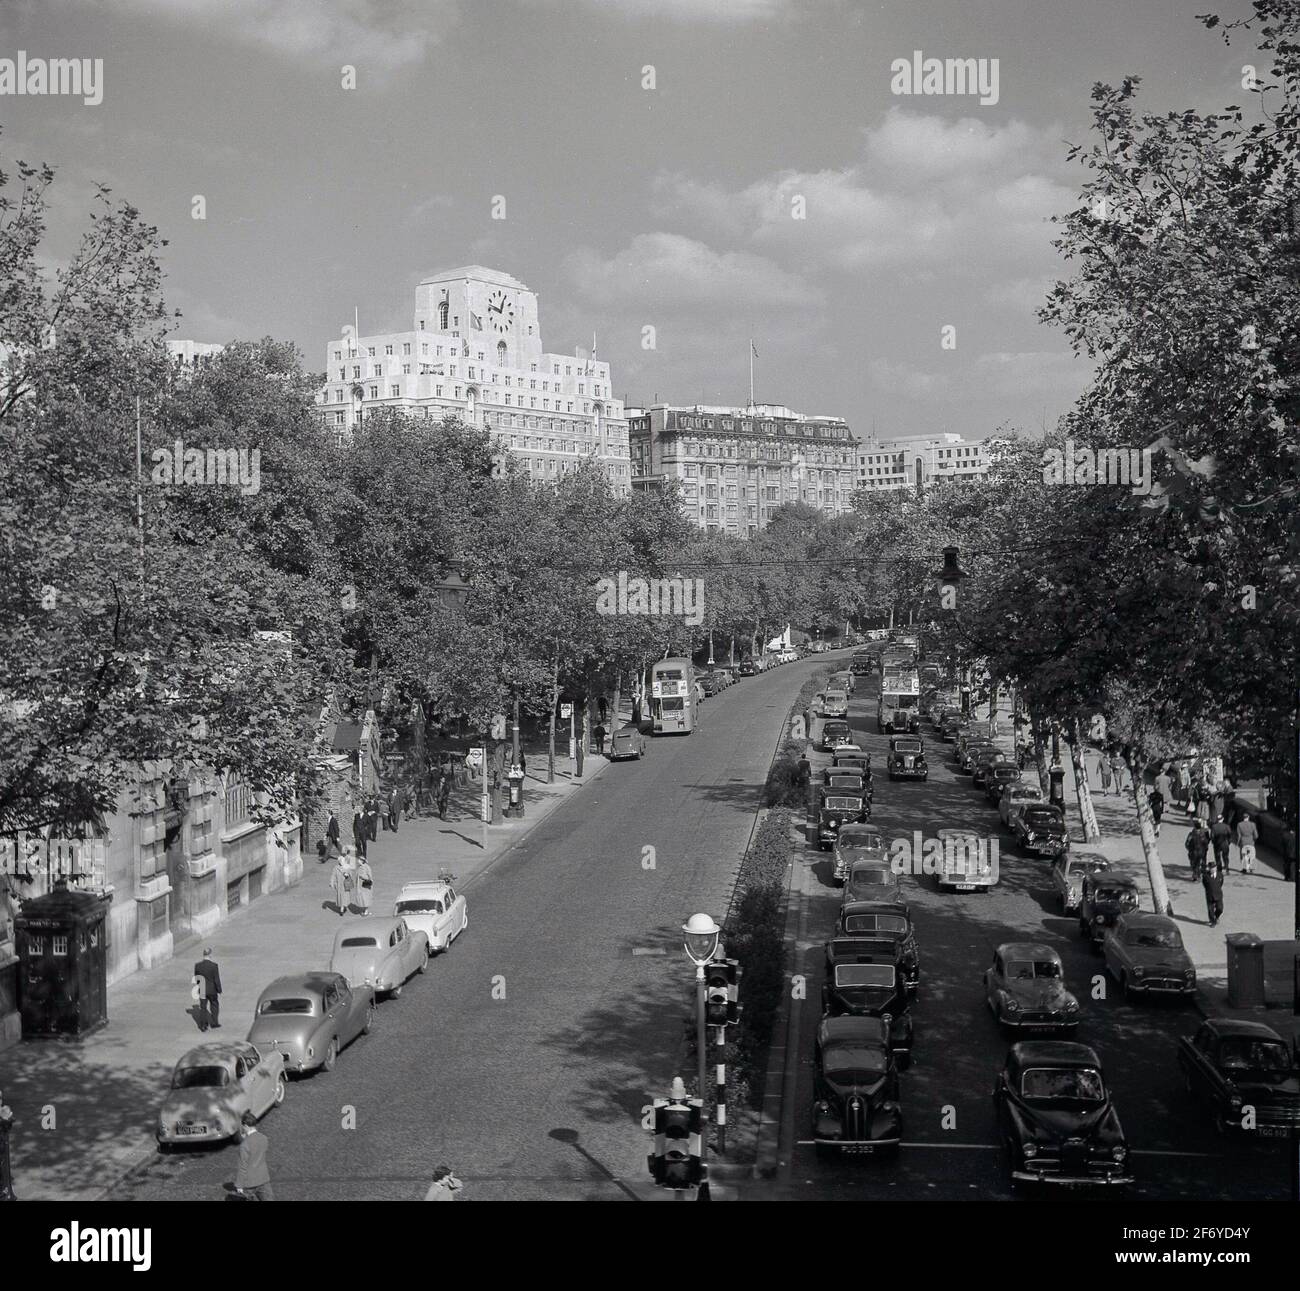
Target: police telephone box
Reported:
[(62, 963)]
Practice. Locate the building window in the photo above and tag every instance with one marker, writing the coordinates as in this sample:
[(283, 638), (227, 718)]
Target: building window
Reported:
[(374, 392), (501, 353)]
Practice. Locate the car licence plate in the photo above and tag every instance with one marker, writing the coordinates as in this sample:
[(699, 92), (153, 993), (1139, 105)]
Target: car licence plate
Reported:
[(1272, 1131), (191, 1129), (964, 887), (859, 1149)]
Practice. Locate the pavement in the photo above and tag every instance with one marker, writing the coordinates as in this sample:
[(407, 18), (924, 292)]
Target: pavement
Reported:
[(84, 1110)]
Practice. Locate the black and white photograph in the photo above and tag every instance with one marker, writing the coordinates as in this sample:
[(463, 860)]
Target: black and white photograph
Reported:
[(491, 491)]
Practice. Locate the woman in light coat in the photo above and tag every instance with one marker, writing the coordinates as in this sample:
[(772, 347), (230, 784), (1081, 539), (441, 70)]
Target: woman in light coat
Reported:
[(365, 886), (341, 883)]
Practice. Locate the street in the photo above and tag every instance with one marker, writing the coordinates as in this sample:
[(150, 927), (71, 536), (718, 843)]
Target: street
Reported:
[(950, 1149), (539, 1093)]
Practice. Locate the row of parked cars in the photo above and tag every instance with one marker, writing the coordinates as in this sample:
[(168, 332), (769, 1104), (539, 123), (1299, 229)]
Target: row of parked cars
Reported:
[(303, 1021), (1054, 1109)]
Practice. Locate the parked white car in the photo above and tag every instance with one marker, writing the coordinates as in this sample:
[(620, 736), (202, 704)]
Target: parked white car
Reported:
[(1015, 798), (434, 908)]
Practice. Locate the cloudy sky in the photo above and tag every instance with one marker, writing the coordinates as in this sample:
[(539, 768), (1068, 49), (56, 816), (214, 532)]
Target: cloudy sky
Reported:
[(625, 207)]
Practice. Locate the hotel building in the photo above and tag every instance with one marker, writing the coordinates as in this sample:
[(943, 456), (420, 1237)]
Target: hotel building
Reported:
[(475, 352), (735, 466), (919, 461)]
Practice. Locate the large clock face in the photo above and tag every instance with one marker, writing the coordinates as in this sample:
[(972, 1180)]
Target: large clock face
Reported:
[(501, 311)]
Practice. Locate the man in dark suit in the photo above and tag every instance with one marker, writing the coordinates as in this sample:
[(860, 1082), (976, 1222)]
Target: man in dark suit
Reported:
[(253, 1177), (359, 831), (209, 976), (332, 834)]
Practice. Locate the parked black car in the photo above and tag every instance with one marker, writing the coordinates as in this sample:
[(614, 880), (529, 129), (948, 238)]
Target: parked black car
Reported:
[(1040, 829), (1056, 1118), (1245, 1074), (864, 977), (747, 668), (884, 920), (907, 758), (836, 810), (855, 1087), (1105, 897)]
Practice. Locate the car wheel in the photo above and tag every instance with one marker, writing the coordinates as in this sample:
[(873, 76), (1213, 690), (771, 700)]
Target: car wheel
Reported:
[(370, 1019), (424, 963), (331, 1054), (395, 993), (279, 1091), (164, 1149)]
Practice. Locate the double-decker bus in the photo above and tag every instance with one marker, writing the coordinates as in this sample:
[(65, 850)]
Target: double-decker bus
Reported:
[(899, 706), (672, 696)]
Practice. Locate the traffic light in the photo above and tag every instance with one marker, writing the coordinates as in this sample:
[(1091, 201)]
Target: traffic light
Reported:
[(721, 992), (675, 1161)]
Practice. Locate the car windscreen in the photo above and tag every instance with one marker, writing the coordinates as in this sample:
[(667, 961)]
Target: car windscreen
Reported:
[(885, 923), (1026, 970), (907, 746), (348, 942), (845, 1062), (1261, 1057), (1154, 938), (1105, 892), (859, 838), (836, 697), (836, 728), (287, 1004), (1063, 1084), (908, 701), (420, 906), (864, 975), (671, 674), (1041, 819), (1025, 793), (200, 1077), (842, 802), (872, 874), (671, 705)]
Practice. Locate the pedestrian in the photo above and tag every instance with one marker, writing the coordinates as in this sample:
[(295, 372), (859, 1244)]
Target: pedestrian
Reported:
[(444, 793), (359, 832), (577, 752), (341, 884), (1103, 769), (1218, 802), (207, 977), (1165, 784), (604, 708), (1247, 836), (332, 834), (394, 807), (523, 761), (1221, 838), (1212, 882), (445, 1185), (1185, 787), (1118, 768), (1020, 756), (598, 734), (253, 1177), (365, 889), (372, 817), (1289, 867), (1198, 844), (1157, 802)]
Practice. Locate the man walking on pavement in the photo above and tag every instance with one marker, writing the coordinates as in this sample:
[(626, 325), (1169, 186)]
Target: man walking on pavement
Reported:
[(1247, 834), (253, 1177), (1157, 801), (359, 831), (332, 835), (395, 803), (1198, 844), (1221, 837), (1212, 882), (209, 976)]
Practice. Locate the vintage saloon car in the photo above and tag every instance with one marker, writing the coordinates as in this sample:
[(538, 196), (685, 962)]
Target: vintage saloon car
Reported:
[(884, 920), (967, 863), (836, 810), (835, 703), (864, 977), (1245, 1075), (855, 1087), (854, 760), (999, 778), (843, 780), (969, 750), (857, 842), (626, 742), (310, 1018), (1056, 1118), (1144, 953), (871, 880), (1015, 797), (907, 758), (835, 734), (381, 953), (1068, 874), (433, 907), (213, 1086), (1040, 829), (1025, 989), (985, 760), (1105, 897), (949, 727)]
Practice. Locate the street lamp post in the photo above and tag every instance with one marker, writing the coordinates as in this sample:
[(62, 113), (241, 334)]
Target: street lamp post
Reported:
[(6, 1169), (700, 940), (1056, 772)]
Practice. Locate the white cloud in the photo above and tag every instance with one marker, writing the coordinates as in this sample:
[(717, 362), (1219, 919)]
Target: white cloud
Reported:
[(667, 271), (704, 11), (1013, 375), (372, 35), (903, 379)]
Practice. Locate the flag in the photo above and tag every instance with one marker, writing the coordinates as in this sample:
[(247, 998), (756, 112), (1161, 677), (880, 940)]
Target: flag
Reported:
[(475, 320), (465, 349), (752, 350)]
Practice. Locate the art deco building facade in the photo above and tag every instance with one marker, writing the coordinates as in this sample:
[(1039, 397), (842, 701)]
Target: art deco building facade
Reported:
[(475, 351), (735, 466)]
